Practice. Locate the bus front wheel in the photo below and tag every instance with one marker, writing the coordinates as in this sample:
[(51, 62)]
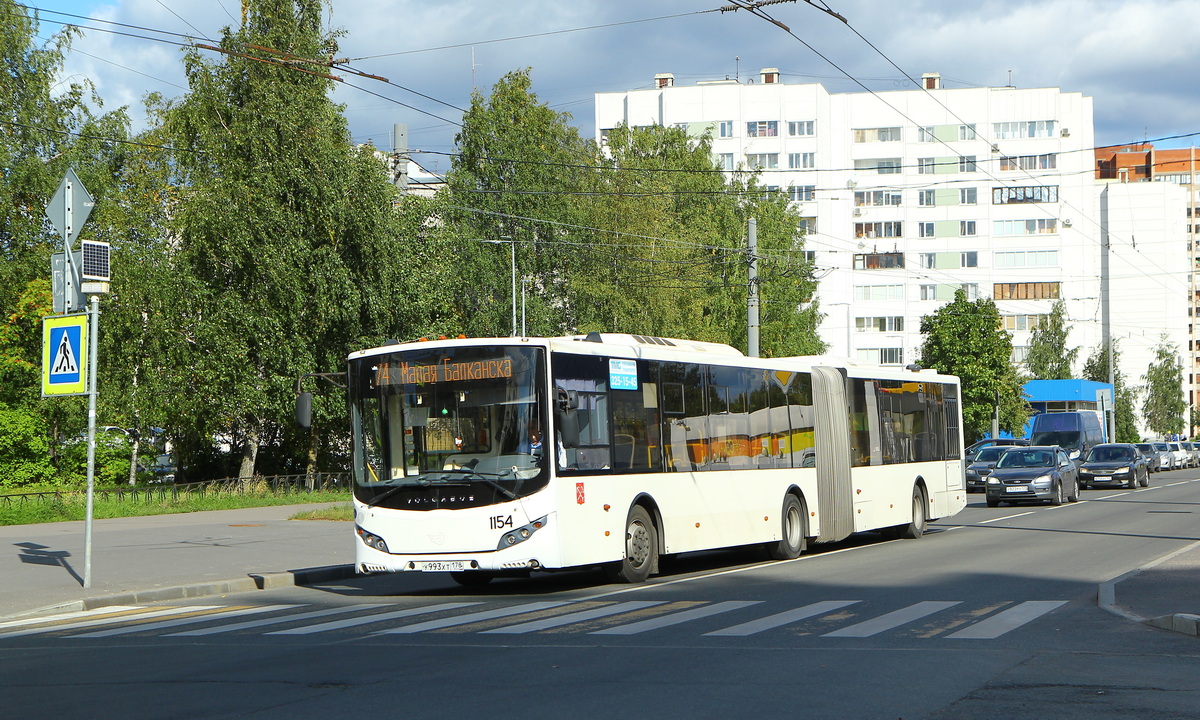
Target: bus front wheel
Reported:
[(794, 531), (641, 549)]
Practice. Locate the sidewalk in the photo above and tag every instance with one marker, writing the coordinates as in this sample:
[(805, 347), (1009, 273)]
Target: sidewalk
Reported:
[(163, 557), (141, 559)]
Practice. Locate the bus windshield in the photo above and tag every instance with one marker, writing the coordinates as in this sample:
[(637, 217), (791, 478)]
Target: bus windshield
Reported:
[(448, 427)]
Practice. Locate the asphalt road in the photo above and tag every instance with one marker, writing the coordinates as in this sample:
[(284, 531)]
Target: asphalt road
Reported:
[(993, 614)]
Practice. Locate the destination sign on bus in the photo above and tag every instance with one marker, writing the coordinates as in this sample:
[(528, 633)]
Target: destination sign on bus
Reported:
[(406, 373)]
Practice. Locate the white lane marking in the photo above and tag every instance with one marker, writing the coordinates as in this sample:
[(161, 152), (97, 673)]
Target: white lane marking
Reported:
[(1006, 517), (783, 618), (110, 620), (470, 618), (581, 616), (676, 618), (367, 619), (207, 617), (1000, 623), (892, 620), (233, 627), (69, 616)]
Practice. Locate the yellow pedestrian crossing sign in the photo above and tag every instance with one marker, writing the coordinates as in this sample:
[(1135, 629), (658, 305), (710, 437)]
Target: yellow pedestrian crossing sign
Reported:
[(64, 355)]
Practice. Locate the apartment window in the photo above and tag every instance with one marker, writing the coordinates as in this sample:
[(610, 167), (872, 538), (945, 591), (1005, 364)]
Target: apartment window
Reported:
[(926, 198), (1030, 258), (762, 128), (1022, 323), (886, 324), (925, 229), (1020, 353), (878, 292), (966, 228), (763, 161), (883, 166), (725, 129), (879, 230), (802, 193), (947, 291), (1026, 291), (1040, 226), (1025, 194), (949, 260), (801, 128), (886, 134), (968, 196), (966, 163), (807, 225), (926, 166), (876, 198), (1030, 162), (966, 132), (968, 259), (878, 261), (802, 161), (925, 134), (810, 256), (1023, 129), (725, 161), (880, 356)]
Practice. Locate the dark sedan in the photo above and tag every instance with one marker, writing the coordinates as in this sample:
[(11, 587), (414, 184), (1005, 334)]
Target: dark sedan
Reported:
[(1153, 464), (981, 466), (1034, 473), (1115, 464)]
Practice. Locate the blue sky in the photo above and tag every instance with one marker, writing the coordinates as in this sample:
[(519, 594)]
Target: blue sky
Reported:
[(1127, 54)]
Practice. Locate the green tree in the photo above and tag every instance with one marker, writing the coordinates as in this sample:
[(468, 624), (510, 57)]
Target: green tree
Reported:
[(281, 250), (1163, 406), (1124, 397), (964, 338), (1049, 357)]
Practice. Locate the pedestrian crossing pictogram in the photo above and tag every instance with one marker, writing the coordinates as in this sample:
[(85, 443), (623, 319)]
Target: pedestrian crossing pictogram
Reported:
[(64, 362)]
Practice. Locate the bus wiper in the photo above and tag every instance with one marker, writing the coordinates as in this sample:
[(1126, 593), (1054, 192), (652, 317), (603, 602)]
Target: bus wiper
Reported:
[(486, 478)]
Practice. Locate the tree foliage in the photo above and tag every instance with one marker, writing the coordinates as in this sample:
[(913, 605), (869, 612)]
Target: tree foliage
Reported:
[(964, 338), (1049, 357), (1163, 406)]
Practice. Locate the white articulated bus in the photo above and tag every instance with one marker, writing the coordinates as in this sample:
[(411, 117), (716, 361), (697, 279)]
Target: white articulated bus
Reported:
[(480, 457)]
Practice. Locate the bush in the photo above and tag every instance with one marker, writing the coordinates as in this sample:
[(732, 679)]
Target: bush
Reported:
[(24, 449)]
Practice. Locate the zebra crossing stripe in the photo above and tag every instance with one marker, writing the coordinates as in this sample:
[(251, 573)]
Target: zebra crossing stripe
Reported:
[(262, 622), (221, 614), (783, 618), (70, 616), (892, 620), (472, 617), (581, 616), (351, 622), (109, 620), (676, 618), (1000, 623)]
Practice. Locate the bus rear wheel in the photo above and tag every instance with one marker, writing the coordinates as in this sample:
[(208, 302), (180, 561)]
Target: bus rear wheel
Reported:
[(641, 549), (794, 532), (916, 528)]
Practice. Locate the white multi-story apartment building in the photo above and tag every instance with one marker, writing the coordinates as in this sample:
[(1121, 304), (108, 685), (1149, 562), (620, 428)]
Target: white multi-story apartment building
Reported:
[(909, 195)]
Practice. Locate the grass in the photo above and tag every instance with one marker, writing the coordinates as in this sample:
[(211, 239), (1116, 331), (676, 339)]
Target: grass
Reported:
[(342, 512), (73, 506)]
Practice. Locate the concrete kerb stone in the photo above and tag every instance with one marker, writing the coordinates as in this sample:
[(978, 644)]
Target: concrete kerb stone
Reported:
[(1185, 623), (253, 581)]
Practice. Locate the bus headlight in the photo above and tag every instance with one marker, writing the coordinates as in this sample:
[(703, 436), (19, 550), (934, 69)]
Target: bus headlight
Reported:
[(521, 534), (372, 541)]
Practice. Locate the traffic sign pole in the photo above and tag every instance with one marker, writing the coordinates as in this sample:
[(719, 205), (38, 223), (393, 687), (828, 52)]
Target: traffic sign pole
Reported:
[(93, 331)]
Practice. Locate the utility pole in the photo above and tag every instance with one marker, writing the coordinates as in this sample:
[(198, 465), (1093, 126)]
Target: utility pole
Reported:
[(1105, 315), (752, 300)]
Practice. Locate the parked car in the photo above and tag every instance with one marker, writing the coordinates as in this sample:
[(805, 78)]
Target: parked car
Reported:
[(1038, 473), (1166, 458), (974, 448), (981, 466), (1194, 449), (1114, 464), (1183, 458), (1153, 464)]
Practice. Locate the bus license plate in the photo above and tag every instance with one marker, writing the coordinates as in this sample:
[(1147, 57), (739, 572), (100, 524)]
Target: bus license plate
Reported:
[(1016, 489), (442, 565)]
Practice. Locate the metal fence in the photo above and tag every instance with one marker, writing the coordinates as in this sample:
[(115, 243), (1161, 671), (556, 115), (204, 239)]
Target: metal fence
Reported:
[(277, 484)]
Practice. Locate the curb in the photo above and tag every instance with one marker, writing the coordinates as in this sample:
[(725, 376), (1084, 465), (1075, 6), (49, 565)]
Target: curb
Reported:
[(253, 581), (1185, 623)]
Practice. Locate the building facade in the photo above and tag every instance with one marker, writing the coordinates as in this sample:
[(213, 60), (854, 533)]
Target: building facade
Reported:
[(908, 195)]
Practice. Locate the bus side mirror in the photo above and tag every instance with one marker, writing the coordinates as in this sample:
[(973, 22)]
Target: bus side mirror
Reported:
[(566, 403), (304, 410)]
